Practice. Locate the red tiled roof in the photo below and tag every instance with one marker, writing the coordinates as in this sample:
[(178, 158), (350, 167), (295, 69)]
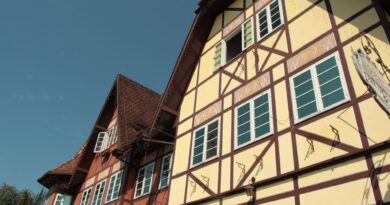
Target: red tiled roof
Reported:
[(137, 106)]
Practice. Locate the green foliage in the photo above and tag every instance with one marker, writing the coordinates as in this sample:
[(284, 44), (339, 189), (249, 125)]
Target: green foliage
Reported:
[(9, 195)]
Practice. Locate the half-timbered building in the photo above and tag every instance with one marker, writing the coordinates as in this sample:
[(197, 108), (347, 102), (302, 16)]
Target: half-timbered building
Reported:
[(123, 161), (272, 107)]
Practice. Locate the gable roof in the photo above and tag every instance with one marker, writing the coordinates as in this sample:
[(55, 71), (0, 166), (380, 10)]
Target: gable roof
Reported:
[(186, 62), (136, 107)]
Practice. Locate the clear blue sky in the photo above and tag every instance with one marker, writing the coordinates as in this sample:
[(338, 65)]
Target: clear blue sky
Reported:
[(58, 60)]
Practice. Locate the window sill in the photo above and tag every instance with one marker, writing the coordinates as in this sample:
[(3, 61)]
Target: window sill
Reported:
[(306, 118), (204, 162), (263, 138)]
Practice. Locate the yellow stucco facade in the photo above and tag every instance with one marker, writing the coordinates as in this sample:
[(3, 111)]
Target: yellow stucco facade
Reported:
[(335, 156)]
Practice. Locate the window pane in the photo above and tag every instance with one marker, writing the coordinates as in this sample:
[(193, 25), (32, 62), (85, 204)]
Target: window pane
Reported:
[(304, 94), (262, 130), (275, 14), (197, 159), (306, 98), (333, 98), (211, 153), (326, 65), (330, 83), (263, 24), (302, 78), (307, 110), (244, 138)]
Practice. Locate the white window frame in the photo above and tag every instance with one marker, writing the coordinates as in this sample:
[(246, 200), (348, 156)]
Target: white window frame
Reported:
[(252, 120), (204, 160), (169, 170), (82, 201), (113, 179), (62, 200), (110, 137), (94, 191), (316, 88), (143, 183), (269, 21)]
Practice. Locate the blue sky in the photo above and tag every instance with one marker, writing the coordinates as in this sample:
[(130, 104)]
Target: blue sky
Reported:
[(58, 60)]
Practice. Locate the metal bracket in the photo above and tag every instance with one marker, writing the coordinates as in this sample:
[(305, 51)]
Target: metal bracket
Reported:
[(260, 167), (206, 180), (310, 149), (242, 167), (336, 139)]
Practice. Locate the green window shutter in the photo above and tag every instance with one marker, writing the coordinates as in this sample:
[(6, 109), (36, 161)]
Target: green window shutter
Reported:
[(275, 14), (247, 34), (212, 140), (262, 116), (305, 98), (243, 124), (263, 23), (218, 56), (198, 146), (329, 82)]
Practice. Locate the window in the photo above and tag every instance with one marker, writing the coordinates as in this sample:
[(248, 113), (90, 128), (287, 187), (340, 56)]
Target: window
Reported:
[(98, 194), (231, 47), (165, 170), (113, 188), (62, 199), (253, 119), (144, 180), (318, 88), (268, 19), (85, 196), (205, 144), (106, 139)]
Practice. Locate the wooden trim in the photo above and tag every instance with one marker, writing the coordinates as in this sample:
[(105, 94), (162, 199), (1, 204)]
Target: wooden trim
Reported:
[(324, 140)]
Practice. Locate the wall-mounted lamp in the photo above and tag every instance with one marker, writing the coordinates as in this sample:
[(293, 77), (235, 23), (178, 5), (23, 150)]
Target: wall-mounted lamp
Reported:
[(250, 189)]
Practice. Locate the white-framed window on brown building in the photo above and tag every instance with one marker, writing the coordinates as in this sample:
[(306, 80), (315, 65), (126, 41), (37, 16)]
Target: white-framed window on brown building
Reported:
[(144, 180), (86, 196), (165, 171), (62, 199), (106, 139), (114, 186), (98, 193)]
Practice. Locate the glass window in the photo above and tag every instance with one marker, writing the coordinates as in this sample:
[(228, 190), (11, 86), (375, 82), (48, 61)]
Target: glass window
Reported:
[(165, 171), (269, 19), (253, 119), (318, 88), (114, 187), (98, 194), (205, 145), (85, 196), (144, 180)]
